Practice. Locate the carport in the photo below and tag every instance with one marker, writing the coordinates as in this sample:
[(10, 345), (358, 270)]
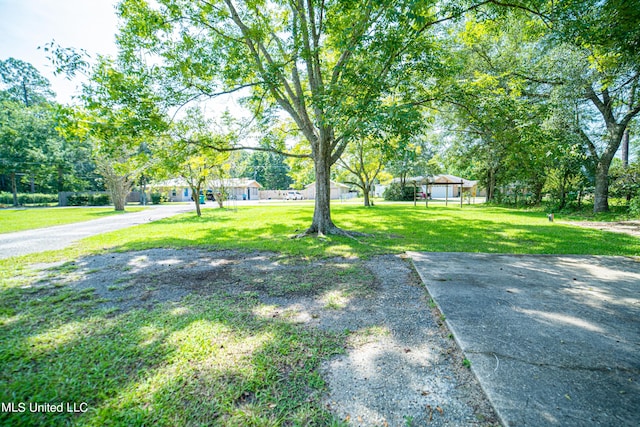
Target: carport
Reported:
[(450, 183)]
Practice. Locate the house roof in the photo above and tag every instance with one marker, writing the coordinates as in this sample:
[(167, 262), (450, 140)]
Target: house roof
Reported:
[(236, 182), (174, 182)]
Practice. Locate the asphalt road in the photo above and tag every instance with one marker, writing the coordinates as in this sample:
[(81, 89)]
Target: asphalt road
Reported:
[(61, 236), (553, 339)]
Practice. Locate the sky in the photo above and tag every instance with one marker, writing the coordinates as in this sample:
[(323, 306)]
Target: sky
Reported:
[(82, 24)]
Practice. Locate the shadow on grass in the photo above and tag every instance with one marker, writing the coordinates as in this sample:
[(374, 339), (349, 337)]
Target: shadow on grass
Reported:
[(390, 229), (206, 357), (496, 230), (172, 358), (112, 212)]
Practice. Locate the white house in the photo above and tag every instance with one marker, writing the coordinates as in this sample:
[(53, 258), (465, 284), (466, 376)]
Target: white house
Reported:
[(177, 189), (238, 188), (338, 191), (445, 186), (442, 186)]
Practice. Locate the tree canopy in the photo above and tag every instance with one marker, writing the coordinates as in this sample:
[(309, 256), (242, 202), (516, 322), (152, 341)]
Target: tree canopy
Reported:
[(522, 95), (327, 65)]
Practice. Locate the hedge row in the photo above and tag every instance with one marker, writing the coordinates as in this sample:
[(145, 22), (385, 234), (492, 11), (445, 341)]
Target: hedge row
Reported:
[(84, 199), (6, 198)]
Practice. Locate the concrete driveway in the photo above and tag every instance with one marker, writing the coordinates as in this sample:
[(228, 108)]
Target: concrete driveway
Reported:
[(554, 340), (61, 236)]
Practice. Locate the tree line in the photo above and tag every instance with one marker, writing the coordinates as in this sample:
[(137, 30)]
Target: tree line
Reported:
[(531, 96)]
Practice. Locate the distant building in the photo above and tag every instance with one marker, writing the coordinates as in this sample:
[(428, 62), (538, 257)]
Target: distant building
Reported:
[(338, 191), (444, 186), (438, 186), (177, 189), (239, 188)]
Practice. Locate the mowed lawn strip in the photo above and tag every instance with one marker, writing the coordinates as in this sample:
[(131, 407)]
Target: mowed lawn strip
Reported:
[(208, 357), (392, 228), (12, 220)]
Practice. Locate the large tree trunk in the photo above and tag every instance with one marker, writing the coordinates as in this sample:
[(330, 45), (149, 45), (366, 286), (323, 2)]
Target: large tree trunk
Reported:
[(14, 188), (366, 191), (322, 223), (615, 130), (601, 195), (491, 185), (117, 185)]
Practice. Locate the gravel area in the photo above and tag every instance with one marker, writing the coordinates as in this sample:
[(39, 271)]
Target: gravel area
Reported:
[(401, 366), (407, 371), (631, 228)]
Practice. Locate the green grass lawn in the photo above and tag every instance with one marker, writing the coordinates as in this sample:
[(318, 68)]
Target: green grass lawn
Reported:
[(392, 228), (207, 358), (27, 219)]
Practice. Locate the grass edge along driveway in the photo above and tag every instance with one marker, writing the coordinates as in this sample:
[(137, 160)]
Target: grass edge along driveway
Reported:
[(12, 220)]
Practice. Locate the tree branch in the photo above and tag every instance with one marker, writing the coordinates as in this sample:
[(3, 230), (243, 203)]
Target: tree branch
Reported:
[(256, 47), (604, 108), (590, 145), (546, 20), (242, 147)]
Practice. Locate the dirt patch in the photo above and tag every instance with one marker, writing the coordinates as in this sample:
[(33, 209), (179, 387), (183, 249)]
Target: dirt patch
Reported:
[(631, 228), (401, 366)]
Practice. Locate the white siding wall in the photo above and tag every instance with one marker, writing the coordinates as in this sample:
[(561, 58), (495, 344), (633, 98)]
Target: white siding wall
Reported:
[(440, 192)]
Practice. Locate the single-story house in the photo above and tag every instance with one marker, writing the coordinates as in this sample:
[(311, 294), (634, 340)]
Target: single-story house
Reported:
[(177, 189), (238, 188), (338, 191), (442, 186)]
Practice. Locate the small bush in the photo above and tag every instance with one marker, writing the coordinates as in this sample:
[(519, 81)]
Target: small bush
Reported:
[(395, 192), (634, 207), (156, 198), (100, 199), (86, 199), (78, 199)]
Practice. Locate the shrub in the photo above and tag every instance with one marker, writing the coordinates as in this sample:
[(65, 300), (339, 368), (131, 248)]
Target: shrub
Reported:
[(634, 207), (100, 199), (88, 199), (395, 192), (6, 198), (156, 198), (78, 199)]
